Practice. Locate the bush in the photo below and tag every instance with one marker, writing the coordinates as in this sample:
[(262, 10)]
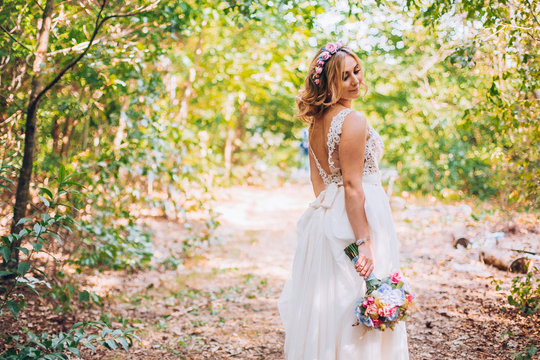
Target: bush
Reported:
[(58, 346), (525, 295)]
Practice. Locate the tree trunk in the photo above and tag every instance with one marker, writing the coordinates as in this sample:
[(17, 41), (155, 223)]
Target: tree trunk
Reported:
[(55, 135), (65, 136), (25, 174), (240, 127), (188, 92), (459, 237), (234, 133), (70, 136), (227, 153), (507, 260), (85, 133)]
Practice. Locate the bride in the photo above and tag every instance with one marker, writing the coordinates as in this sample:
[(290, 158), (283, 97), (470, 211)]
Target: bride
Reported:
[(317, 302)]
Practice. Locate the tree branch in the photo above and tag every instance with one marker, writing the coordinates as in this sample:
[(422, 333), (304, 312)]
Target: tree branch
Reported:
[(99, 22), (532, 11), (39, 6), (14, 39)]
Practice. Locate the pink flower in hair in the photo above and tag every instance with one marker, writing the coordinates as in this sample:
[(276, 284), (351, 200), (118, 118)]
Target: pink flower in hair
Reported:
[(318, 70), (325, 55), (320, 62), (317, 81), (331, 48)]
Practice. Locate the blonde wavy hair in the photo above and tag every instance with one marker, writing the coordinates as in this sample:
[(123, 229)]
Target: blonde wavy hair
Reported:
[(314, 98)]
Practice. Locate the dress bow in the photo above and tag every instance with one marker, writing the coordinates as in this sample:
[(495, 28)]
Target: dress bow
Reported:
[(326, 197)]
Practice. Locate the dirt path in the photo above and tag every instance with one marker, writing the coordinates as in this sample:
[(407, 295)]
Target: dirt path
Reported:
[(223, 305)]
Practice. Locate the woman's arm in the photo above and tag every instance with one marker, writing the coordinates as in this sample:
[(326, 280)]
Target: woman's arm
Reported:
[(351, 157)]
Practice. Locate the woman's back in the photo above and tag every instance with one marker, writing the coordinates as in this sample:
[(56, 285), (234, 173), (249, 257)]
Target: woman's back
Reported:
[(318, 137), (317, 303)]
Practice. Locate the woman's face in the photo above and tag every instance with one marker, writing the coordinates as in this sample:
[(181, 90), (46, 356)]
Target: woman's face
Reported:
[(351, 78)]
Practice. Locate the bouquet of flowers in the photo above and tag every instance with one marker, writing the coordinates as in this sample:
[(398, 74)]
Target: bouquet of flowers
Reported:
[(386, 300)]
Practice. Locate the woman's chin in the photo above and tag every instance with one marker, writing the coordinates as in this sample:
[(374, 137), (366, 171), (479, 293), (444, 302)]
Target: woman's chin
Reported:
[(353, 95)]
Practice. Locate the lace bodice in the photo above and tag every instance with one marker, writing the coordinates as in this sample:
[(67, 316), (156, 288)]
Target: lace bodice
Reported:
[(372, 155)]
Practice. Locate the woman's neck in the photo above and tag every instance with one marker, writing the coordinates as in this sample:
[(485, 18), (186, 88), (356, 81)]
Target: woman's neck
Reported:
[(345, 102)]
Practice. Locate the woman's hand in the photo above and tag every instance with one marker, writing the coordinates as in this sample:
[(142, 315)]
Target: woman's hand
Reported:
[(365, 264)]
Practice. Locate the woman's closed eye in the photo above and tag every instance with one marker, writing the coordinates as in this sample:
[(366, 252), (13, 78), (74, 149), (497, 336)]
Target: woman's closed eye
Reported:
[(355, 73)]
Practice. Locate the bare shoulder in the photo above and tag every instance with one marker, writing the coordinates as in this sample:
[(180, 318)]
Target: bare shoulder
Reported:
[(354, 126)]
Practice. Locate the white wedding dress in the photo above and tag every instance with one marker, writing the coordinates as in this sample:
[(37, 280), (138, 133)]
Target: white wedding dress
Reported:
[(317, 302)]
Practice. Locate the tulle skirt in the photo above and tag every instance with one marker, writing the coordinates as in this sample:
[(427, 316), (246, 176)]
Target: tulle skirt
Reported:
[(317, 302)]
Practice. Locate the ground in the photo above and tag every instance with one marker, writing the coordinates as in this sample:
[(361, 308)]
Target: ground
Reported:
[(222, 304)]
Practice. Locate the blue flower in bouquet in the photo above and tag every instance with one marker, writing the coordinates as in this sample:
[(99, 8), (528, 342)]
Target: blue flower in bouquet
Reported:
[(366, 320), (394, 316), (363, 319), (406, 286), (390, 296)]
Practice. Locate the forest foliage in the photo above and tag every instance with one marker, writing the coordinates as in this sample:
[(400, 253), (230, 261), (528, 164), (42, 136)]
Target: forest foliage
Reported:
[(174, 98)]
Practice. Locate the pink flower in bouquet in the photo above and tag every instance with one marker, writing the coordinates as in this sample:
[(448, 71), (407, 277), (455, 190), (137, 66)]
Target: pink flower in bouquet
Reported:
[(396, 277), (372, 309), (325, 55), (331, 48), (387, 311), (370, 300), (409, 297), (376, 322)]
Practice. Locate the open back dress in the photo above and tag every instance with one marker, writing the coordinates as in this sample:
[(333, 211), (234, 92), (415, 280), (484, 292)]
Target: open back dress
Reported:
[(317, 302)]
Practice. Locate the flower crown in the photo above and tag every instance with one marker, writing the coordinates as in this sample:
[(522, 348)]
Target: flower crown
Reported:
[(327, 51)]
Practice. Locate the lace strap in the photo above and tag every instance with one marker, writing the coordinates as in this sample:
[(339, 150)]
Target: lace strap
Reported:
[(323, 174), (334, 135)]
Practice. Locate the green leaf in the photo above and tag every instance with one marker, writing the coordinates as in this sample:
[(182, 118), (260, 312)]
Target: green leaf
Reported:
[(13, 307), (37, 246), (105, 332), (6, 252), (111, 344), (90, 346), (23, 268), (74, 183), (57, 237), (45, 201), (84, 296), (24, 250), (23, 232), (5, 273), (122, 341), (38, 229), (62, 174), (75, 351), (46, 191), (23, 221)]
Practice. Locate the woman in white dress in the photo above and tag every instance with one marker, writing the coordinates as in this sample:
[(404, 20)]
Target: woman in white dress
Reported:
[(317, 302)]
